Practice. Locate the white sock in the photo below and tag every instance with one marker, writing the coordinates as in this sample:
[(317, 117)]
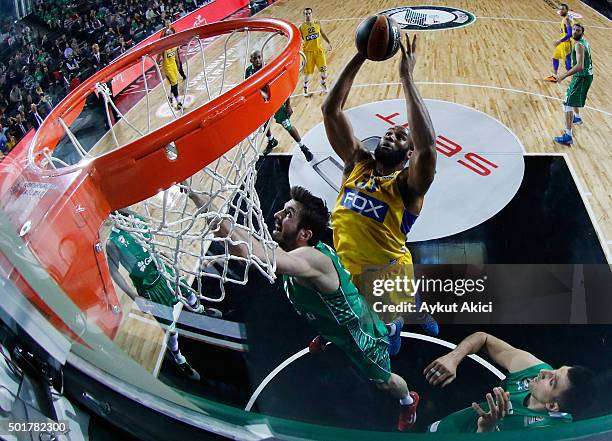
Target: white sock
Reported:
[(269, 136), (173, 342), (192, 300), (568, 131), (577, 115), (301, 144), (392, 330), (407, 400)]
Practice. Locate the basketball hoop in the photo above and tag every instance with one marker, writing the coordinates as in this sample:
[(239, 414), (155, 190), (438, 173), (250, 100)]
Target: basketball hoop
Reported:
[(151, 164)]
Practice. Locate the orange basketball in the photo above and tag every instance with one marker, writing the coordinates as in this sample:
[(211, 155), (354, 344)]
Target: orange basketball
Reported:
[(378, 37)]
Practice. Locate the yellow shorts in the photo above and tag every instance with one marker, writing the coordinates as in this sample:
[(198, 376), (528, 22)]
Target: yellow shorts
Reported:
[(172, 75), (370, 284), (315, 58), (562, 50)]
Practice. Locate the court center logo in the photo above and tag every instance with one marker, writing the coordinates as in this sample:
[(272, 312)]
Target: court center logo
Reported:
[(430, 18), (479, 166)]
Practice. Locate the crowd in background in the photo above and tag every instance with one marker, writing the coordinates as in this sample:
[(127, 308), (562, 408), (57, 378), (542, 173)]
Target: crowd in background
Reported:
[(48, 54)]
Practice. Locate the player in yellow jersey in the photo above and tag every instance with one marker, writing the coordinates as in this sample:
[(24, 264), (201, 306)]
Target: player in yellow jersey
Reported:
[(311, 44), (563, 46), (381, 198), (170, 66)]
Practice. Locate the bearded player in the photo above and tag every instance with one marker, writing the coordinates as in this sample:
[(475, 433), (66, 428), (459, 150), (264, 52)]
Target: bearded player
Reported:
[(320, 290), (372, 243), (313, 50)]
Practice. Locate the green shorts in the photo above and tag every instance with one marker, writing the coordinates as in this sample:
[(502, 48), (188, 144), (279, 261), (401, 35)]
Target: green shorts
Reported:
[(160, 292), (369, 354), (576, 93), (282, 118)]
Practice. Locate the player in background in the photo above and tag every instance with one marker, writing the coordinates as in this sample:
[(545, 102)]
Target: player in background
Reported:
[(169, 62), (282, 116), (563, 46), (311, 44), (582, 78), (123, 249)]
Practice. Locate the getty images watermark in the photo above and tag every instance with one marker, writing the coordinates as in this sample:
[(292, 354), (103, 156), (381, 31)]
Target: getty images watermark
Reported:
[(394, 288)]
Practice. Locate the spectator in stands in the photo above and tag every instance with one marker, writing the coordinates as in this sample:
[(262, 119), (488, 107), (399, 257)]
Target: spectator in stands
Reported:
[(15, 96), (35, 117), (97, 60), (3, 139)]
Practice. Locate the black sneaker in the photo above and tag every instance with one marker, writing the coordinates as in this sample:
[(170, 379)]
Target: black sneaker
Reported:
[(307, 153), (271, 144), (188, 371)]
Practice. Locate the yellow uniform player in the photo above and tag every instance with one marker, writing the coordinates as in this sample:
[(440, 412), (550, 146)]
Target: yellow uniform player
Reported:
[(380, 197), (170, 66), (563, 46), (311, 44)]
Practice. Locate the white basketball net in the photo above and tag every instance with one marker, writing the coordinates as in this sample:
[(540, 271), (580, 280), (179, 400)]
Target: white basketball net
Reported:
[(181, 236), (178, 234)]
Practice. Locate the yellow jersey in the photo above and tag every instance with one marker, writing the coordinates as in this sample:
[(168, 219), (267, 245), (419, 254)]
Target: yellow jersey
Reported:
[(370, 221), (169, 58), (169, 63), (311, 36), (565, 21)]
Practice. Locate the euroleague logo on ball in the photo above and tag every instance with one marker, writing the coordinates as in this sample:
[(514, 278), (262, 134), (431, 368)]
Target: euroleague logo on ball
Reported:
[(429, 18)]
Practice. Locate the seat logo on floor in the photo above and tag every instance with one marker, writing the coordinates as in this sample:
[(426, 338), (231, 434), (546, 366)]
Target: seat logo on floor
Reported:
[(430, 18)]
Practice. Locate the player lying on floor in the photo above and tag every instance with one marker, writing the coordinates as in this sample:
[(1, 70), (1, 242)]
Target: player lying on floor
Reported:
[(532, 395)]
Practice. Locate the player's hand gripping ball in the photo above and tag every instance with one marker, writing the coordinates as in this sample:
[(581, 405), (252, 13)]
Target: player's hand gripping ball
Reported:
[(378, 37)]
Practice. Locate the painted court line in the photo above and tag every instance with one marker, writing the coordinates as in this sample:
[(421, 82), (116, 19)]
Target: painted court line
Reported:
[(305, 351), (537, 21), (477, 17), (479, 86)]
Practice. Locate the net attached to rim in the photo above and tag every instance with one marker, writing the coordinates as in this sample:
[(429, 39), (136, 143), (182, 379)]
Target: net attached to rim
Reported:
[(162, 153)]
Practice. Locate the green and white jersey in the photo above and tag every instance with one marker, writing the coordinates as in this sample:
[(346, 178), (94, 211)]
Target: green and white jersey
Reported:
[(136, 259), (520, 417), (588, 63), (343, 317)]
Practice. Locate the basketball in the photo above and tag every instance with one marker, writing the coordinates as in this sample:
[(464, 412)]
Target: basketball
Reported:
[(378, 37)]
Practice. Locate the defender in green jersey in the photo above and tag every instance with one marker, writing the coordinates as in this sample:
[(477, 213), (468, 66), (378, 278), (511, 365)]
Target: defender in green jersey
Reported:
[(282, 115), (320, 289), (123, 249), (532, 395), (582, 78)]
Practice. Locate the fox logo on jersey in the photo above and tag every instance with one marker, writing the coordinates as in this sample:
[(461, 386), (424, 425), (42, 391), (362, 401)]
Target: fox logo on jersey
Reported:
[(364, 205)]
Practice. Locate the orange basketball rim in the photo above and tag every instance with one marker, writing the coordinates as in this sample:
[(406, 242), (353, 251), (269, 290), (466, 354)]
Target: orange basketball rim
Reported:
[(59, 212)]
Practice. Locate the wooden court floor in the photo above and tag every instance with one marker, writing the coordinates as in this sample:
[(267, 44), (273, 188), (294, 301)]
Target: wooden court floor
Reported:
[(494, 65)]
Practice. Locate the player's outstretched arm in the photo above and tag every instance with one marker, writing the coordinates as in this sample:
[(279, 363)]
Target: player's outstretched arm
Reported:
[(300, 262), (422, 166), (443, 370), (337, 126)]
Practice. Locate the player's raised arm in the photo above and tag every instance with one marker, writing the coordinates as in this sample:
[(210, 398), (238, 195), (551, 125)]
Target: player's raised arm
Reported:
[(443, 370), (422, 167), (337, 126)]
